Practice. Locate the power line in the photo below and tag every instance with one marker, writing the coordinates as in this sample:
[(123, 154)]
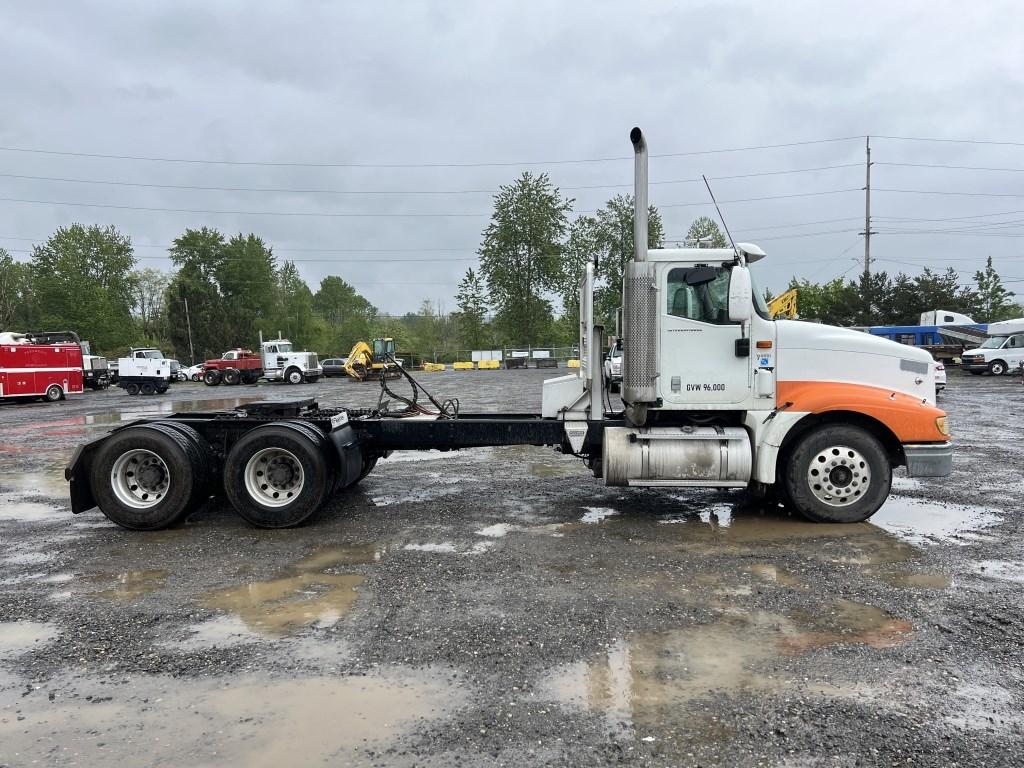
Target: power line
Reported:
[(375, 192), (294, 164), (949, 192), (953, 167), (333, 215), (952, 141)]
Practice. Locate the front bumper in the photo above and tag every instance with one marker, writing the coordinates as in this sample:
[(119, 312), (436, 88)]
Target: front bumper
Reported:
[(974, 363), (929, 459)]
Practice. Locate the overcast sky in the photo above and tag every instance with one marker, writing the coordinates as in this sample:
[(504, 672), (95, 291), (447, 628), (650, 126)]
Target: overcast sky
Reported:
[(470, 98)]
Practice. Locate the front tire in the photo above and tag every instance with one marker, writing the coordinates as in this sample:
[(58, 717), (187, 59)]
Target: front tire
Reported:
[(837, 474), (53, 393), (145, 478), (131, 388), (293, 376), (212, 377), (997, 367), (277, 475)]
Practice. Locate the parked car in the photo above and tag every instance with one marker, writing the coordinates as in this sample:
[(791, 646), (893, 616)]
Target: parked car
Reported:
[(613, 368), (940, 377), (193, 372), (334, 366)]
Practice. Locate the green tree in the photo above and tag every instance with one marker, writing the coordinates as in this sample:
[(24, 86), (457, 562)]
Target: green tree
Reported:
[(81, 280), (15, 294), (248, 281), (297, 320), (473, 331), (704, 233), (992, 301), (520, 252), (149, 289), (613, 229), (834, 302), (197, 320), (348, 315)]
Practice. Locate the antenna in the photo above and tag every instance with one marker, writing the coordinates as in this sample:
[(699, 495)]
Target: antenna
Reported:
[(722, 219)]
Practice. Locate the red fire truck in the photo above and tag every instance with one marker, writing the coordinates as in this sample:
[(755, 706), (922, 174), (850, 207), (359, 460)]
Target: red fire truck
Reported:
[(50, 371)]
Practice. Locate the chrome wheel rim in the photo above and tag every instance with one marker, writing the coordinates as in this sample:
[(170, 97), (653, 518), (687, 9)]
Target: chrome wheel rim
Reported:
[(274, 477), (140, 479), (839, 475)]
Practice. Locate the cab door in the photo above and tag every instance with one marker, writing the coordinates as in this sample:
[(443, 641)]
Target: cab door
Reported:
[(699, 363)]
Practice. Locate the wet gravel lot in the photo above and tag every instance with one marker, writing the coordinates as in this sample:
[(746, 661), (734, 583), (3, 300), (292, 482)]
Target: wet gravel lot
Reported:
[(501, 607)]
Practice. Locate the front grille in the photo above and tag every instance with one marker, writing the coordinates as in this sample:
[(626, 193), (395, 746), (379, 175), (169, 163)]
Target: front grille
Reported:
[(313, 360)]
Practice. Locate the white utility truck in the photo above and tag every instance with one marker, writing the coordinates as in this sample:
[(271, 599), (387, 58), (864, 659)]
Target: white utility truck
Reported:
[(1002, 351), (282, 363), (145, 371), (714, 394)]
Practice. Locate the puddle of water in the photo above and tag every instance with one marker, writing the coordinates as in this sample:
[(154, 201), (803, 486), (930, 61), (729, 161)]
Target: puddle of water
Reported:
[(219, 632), (772, 574), (444, 546), (981, 707), (399, 457), (555, 470), (20, 636), (28, 558), (597, 514), (913, 580), (128, 585), (1003, 570), (497, 530), (28, 511), (49, 483), (281, 606), (307, 594), (651, 679), (251, 721), (921, 522)]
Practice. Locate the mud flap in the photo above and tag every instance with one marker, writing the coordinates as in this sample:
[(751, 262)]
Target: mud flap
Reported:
[(77, 474), (350, 455)]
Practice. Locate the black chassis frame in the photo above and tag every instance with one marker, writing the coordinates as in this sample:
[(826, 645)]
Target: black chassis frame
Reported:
[(357, 435)]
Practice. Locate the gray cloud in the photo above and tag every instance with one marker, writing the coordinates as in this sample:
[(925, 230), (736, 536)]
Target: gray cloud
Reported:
[(507, 82)]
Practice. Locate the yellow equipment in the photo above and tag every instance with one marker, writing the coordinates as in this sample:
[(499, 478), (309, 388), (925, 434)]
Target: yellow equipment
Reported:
[(433, 367), (784, 305), (462, 366), (366, 362), (488, 365)]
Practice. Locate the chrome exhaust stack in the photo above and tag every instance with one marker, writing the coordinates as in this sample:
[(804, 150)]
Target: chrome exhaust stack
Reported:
[(639, 303), (636, 136)]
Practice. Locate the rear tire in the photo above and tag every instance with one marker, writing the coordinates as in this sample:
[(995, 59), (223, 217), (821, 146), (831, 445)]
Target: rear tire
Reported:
[(837, 474), (53, 393), (232, 377), (131, 388), (250, 377), (144, 478), (146, 388), (277, 475), (196, 377)]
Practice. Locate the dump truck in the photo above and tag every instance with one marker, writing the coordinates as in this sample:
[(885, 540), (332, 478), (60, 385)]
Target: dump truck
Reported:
[(715, 393)]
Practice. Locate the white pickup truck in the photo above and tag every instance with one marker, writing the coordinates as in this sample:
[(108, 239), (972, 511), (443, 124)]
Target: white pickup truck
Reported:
[(1002, 351)]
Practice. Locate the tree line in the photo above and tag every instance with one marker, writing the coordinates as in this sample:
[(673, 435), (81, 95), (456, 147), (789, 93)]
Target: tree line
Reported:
[(223, 291)]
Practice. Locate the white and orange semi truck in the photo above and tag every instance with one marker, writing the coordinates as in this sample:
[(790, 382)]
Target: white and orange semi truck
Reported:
[(714, 393)]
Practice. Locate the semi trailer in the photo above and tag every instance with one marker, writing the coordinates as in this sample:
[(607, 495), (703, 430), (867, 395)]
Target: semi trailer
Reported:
[(714, 393)]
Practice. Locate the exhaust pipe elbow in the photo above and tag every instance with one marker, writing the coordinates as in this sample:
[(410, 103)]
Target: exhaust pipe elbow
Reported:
[(636, 136)]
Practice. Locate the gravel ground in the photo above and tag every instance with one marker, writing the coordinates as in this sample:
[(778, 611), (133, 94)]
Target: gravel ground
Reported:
[(501, 607)]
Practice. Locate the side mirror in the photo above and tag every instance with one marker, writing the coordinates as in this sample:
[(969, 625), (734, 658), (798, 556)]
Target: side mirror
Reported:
[(740, 295)]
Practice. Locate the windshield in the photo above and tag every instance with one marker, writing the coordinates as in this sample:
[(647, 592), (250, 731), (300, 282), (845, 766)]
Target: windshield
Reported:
[(994, 343), (284, 348), (152, 354)]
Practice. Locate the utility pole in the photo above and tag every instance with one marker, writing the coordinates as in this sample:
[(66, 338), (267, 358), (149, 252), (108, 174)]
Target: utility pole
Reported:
[(867, 211), (188, 324), (865, 283)]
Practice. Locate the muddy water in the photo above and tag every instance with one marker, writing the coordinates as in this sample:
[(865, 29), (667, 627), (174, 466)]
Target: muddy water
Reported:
[(19, 636), (251, 721), (648, 681), (128, 585), (309, 592)]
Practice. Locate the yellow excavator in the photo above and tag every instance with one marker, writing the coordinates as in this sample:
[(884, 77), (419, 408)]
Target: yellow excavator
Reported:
[(366, 362), (784, 305)]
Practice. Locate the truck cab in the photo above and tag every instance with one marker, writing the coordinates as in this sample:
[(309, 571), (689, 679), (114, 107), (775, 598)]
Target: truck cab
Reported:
[(282, 363), (715, 393), (1002, 351)]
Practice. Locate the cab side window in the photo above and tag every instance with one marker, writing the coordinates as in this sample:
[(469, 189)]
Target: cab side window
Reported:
[(697, 298), (1016, 342)]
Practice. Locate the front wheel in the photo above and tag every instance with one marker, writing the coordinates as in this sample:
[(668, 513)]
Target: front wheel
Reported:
[(212, 377), (837, 474), (293, 376), (53, 393), (997, 367)]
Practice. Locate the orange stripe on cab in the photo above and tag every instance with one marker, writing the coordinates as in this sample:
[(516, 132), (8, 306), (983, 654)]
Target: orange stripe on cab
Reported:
[(906, 416)]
